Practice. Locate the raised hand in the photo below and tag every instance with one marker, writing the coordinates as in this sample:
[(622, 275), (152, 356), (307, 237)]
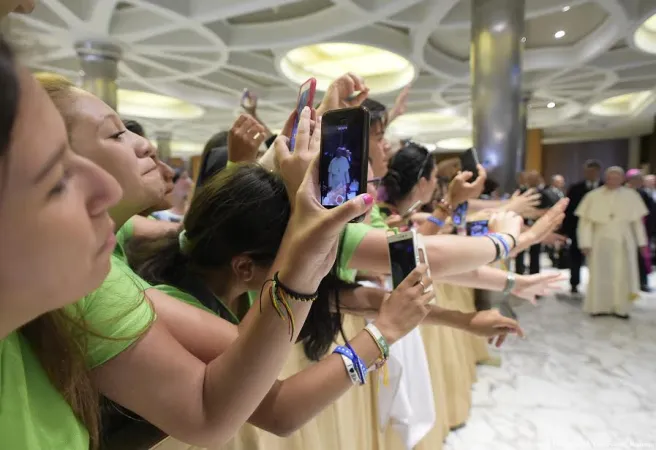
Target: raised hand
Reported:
[(401, 104), (293, 166), (340, 93), (460, 190), (244, 139), (313, 231), (406, 306), (522, 203), (543, 227), (528, 287)]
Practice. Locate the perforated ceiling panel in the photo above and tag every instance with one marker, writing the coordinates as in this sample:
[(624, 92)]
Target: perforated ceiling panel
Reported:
[(208, 51)]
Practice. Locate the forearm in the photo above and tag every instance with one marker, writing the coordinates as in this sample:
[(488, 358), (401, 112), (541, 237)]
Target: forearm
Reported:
[(484, 277), (237, 381), (429, 227), (298, 399), (452, 255), (476, 204), (448, 317)]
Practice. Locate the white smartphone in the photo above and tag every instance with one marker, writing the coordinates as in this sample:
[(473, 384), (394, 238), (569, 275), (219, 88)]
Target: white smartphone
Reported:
[(406, 251)]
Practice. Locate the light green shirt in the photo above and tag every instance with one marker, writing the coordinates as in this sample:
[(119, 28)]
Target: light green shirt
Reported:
[(33, 414)]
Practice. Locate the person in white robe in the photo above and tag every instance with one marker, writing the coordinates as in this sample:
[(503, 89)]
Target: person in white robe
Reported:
[(609, 232)]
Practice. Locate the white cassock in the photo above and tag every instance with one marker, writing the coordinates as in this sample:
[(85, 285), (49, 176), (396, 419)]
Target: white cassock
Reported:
[(610, 225)]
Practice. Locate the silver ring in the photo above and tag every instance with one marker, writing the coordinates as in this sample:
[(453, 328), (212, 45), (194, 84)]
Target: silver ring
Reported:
[(422, 285), (257, 135)]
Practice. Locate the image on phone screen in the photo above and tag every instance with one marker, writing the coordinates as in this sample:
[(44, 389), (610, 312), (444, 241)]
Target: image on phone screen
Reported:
[(477, 228), (402, 259), (342, 159)]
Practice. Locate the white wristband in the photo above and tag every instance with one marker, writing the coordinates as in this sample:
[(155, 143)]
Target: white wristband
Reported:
[(350, 369)]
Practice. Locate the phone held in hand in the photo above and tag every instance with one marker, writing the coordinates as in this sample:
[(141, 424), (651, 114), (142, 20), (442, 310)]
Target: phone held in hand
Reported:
[(413, 209), (305, 98), (406, 252), (477, 228), (469, 161), (344, 156)]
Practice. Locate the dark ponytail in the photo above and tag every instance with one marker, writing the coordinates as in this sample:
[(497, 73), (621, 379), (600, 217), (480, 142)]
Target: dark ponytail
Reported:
[(405, 169)]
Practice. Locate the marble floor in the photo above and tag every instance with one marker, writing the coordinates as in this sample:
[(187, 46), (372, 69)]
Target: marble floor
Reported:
[(573, 383)]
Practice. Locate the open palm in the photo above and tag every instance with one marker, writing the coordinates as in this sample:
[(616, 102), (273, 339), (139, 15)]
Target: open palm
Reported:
[(528, 287)]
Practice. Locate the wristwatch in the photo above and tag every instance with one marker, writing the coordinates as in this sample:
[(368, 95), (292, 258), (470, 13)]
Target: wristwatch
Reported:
[(510, 284)]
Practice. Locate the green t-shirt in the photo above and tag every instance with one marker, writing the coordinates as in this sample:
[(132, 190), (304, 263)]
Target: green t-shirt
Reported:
[(353, 235), (376, 218), (123, 235), (33, 414)]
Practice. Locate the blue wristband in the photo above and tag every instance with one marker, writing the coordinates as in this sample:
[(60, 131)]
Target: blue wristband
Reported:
[(506, 245), (436, 221), (357, 362)]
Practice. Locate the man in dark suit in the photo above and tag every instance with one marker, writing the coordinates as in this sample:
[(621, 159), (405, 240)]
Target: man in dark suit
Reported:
[(533, 180), (592, 180), (635, 180)]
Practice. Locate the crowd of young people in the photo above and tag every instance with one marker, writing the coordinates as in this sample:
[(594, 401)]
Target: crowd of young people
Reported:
[(158, 317)]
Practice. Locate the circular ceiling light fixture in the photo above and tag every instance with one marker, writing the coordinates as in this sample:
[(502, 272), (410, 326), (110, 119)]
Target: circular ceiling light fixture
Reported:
[(559, 34), (566, 8), (644, 36), (621, 105), (155, 106), (383, 70), (551, 105), (416, 125), (458, 143)]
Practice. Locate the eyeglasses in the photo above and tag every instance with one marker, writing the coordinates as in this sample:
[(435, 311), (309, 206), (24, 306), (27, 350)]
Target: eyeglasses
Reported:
[(375, 181)]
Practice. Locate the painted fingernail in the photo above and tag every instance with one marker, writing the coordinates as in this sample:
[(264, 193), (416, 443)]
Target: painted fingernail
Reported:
[(368, 199)]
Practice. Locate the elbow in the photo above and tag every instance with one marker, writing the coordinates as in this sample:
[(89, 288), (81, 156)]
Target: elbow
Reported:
[(283, 427)]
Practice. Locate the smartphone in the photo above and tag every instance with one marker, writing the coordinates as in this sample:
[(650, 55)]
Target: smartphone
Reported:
[(406, 252), (469, 161), (477, 228), (415, 206), (246, 100), (305, 98), (344, 156)]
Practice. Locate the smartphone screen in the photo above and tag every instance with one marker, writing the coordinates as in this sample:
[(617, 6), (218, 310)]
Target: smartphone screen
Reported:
[(477, 228), (305, 98), (402, 259), (344, 155), (469, 161)]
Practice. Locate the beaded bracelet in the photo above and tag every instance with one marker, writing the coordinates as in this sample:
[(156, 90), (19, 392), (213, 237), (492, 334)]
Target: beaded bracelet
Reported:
[(280, 298)]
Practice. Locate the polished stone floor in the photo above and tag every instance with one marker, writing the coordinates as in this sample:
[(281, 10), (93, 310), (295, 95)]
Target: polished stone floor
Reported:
[(574, 383)]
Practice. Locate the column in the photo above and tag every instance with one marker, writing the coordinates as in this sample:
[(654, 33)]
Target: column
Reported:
[(99, 69), (520, 155), (163, 140), (496, 71)]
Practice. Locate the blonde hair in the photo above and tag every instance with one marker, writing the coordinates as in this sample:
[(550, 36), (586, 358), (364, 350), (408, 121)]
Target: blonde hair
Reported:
[(62, 350)]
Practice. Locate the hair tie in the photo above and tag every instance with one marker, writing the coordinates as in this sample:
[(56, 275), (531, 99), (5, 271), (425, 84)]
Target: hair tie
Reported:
[(183, 241)]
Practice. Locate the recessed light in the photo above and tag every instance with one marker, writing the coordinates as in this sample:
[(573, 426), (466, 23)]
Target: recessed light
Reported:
[(559, 34), (524, 39), (551, 105), (566, 8)]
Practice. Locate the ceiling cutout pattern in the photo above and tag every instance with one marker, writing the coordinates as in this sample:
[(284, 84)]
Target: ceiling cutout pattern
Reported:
[(578, 53)]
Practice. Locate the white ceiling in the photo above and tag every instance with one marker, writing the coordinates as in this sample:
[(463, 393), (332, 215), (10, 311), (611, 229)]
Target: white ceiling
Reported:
[(208, 51)]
